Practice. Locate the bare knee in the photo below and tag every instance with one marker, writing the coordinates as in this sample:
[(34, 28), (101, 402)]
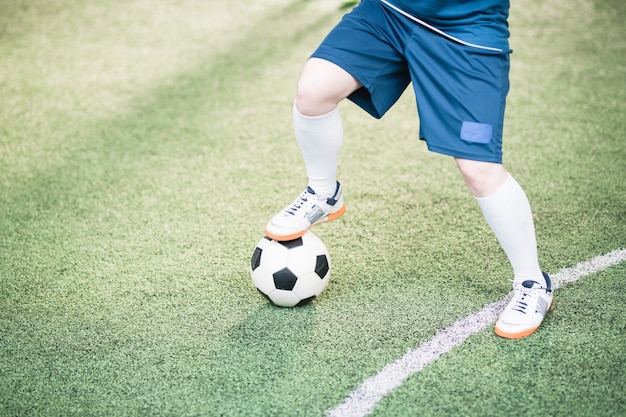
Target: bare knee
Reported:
[(322, 85), (482, 178), (311, 102)]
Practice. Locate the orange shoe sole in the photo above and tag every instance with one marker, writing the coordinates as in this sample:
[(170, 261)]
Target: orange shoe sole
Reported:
[(293, 236)]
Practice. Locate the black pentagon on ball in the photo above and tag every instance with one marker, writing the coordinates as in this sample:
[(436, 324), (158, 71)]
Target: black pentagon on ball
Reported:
[(290, 244), (255, 260), (284, 279), (321, 266)]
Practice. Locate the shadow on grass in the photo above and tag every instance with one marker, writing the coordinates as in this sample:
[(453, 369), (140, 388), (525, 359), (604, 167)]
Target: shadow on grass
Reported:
[(259, 360)]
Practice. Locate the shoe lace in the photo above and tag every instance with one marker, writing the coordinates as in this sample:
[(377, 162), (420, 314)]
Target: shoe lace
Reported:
[(524, 296), (302, 203)]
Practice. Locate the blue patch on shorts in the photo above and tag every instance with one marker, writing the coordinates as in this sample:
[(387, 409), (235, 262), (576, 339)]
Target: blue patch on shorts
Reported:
[(476, 132)]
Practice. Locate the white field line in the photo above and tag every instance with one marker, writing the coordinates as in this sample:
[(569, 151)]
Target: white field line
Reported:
[(362, 401)]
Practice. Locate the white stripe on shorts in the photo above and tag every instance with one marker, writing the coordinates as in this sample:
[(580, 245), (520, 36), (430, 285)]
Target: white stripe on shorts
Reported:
[(434, 29)]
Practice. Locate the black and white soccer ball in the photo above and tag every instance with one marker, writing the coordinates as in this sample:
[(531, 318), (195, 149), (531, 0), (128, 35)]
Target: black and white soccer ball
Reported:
[(290, 273)]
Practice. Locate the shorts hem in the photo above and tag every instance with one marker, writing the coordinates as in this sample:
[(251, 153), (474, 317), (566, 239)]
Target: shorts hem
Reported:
[(464, 155), (369, 105)]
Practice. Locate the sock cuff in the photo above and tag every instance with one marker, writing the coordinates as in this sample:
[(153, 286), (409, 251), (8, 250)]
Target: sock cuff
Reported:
[(507, 196), (316, 124), (500, 190)]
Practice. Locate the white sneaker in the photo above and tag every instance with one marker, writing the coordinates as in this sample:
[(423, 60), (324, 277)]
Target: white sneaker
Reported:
[(526, 310), (306, 211)]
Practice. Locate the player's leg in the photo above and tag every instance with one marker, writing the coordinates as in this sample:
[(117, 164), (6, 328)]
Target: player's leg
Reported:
[(319, 133), (317, 123), (353, 61), (507, 210), (465, 120)]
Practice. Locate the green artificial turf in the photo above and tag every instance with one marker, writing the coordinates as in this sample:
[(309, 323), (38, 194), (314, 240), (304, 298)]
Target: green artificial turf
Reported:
[(563, 370), (144, 145)]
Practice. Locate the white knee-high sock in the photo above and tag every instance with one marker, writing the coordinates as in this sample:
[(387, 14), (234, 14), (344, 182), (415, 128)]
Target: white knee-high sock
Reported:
[(508, 213), (320, 139)]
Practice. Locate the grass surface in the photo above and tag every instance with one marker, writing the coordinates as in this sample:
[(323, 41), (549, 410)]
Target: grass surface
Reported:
[(143, 147)]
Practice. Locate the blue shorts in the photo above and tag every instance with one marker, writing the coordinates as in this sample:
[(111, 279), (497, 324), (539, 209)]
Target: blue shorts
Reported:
[(460, 89)]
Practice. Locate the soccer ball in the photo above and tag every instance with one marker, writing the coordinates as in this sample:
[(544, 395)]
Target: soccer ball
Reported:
[(290, 273)]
